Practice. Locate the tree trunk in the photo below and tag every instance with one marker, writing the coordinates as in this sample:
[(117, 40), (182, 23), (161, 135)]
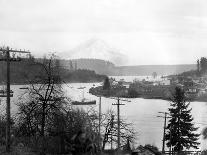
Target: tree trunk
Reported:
[(43, 147)]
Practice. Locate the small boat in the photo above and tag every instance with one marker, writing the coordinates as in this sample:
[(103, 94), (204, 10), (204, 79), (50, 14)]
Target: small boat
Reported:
[(92, 102), (84, 101), (23, 88), (81, 87)]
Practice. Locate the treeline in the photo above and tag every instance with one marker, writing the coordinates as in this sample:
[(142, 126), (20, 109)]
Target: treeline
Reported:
[(24, 71), (201, 69), (202, 65), (99, 66), (82, 75), (108, 68)]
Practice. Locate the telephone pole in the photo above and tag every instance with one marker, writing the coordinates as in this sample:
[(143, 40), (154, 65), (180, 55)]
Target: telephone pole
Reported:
[(99, 126), (118, 119), (165, 120), (112, 125), (8, 59)]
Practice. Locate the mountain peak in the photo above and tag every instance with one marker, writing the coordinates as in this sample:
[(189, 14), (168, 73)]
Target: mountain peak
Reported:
[(96, 49), (95, 42)]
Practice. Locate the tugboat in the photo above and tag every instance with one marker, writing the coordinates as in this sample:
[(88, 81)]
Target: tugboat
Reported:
[(84, 101)]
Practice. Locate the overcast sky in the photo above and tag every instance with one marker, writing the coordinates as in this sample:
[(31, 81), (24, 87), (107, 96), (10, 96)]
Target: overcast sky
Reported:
[(148, 31)]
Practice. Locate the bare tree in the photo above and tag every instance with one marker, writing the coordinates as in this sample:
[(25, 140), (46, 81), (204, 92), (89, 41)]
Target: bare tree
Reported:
[(45, 98), (127, 132)]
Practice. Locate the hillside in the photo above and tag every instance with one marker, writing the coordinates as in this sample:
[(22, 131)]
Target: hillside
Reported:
[(98, 65), (86, 70), (27, 70), (108, 68), (149, 69)]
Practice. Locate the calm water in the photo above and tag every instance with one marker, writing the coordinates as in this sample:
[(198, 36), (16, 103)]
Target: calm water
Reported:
[(142, 112)]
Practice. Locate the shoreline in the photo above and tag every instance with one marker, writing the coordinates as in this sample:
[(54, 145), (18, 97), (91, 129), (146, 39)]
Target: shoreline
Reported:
[(98, 91)]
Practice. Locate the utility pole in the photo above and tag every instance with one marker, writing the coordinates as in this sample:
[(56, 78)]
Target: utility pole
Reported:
[(99, 126), (118, 120), (8, 119), (165, 120), (8, 115), (112, 125), (170, 140)]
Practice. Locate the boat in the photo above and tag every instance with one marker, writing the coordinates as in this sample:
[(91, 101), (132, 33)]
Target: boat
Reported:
[(92, 102), (23, 88), (84, 101), (81, 87)]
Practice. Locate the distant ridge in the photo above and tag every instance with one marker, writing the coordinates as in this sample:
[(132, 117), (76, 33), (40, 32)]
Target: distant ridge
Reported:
[(109, 68), (159, 69), (95, 54)]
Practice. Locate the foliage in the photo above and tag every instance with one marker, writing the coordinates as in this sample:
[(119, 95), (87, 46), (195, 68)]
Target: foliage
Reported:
[(2, 130), (81, 75), (45, 115), (132, 92), (181, 131), (127, 132), (201, 68), (204, 152), (27, 70), (204, 133), (106, 85), (41, 102), (198, 66), (154, 75), (203, 65), (82, 127), (191, 73), (153, 148)]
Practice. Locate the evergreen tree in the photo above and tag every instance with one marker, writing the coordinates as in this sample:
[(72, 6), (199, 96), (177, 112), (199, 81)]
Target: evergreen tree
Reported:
[(203, 65), (198, 66), (154, 75), (181, 131), (106, 85), (71, 65)]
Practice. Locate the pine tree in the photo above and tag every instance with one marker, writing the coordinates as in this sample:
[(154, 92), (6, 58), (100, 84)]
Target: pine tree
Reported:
[(198, 66), (106, 85), (71, 65), (181, 131)]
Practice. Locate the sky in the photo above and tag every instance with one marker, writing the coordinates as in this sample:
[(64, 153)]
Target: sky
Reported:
[(147, 32)]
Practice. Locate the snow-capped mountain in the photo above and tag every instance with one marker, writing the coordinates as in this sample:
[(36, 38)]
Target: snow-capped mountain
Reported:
[(96, 49)]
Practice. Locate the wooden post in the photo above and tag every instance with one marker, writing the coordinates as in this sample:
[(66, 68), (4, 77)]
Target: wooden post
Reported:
[(8, 120), (118, 113), (99, 127)]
